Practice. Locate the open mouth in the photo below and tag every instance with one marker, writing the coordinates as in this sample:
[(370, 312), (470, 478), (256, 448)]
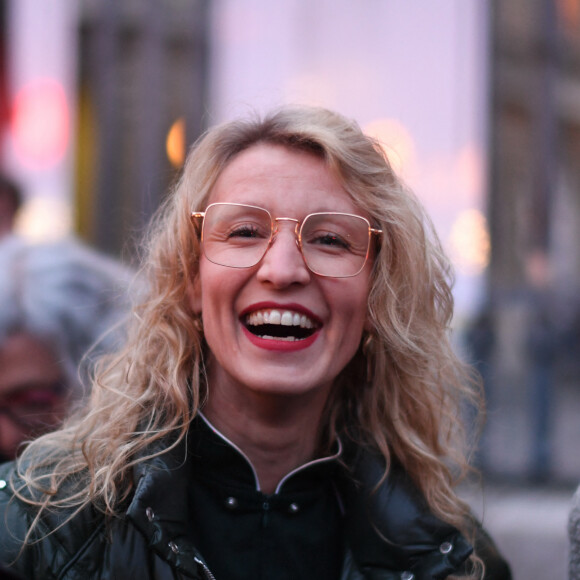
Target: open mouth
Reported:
[(276, 324)]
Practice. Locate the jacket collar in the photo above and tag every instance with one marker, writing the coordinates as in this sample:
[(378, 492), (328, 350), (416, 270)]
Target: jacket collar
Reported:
[(226, 461), (388, 528), (159, 507)]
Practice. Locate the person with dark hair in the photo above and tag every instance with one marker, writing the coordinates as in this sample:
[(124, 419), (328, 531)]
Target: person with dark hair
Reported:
[(287, 402)]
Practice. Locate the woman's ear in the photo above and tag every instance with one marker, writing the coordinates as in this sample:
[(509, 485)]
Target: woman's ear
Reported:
[(194, 294), (368, 327)]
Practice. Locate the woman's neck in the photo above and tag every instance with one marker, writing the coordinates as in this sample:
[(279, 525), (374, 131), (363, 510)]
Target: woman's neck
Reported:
[(278, 434)]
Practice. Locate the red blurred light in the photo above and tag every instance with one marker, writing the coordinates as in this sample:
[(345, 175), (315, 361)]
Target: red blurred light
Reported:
[(40, 125)]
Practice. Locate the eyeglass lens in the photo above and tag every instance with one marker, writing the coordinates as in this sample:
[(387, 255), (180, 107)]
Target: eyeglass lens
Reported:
[(238, 236)]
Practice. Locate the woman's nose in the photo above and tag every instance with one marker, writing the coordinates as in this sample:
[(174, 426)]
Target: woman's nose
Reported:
[(283, 263)]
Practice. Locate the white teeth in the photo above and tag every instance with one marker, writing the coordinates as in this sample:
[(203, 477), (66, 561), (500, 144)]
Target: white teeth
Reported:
[(283, 318), (287, 319)]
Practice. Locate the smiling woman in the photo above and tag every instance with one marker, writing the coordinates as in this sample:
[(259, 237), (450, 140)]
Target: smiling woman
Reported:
[(288, 378)]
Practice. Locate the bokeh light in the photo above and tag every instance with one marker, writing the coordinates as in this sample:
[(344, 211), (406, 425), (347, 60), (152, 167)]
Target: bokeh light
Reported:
[(469, 242), (40, 123), (175, 143), (43, 218)]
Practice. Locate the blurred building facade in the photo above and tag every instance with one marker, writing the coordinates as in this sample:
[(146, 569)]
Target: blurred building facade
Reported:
[(109, 91), (142, 97), (534, 216)]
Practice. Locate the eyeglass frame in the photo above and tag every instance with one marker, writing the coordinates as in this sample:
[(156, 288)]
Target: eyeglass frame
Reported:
[(297, 233)]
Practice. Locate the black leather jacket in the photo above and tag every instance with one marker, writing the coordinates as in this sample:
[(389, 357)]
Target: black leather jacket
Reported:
[(391, 535)]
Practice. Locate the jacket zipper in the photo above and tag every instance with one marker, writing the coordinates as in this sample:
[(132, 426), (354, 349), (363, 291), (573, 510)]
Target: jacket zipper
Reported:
[(206, 570)]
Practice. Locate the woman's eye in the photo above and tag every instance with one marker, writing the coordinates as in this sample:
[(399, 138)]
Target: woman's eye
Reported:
[(331, 240), (246, 231)]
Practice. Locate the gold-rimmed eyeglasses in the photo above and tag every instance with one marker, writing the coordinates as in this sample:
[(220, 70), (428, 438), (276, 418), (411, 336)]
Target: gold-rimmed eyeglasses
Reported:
[(333, 244)]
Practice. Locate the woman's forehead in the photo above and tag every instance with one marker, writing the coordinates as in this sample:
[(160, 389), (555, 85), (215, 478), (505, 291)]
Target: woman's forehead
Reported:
[(280, 178)]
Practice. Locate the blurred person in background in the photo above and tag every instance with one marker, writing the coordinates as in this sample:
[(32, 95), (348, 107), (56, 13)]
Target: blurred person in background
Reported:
[(10, 202), (572, 348), (287, 403), (480, 342), (574, 538), (56, 300)]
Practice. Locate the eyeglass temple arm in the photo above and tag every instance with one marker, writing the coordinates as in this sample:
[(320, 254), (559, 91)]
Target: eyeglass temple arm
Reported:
[(195, 216), (376, 231)]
